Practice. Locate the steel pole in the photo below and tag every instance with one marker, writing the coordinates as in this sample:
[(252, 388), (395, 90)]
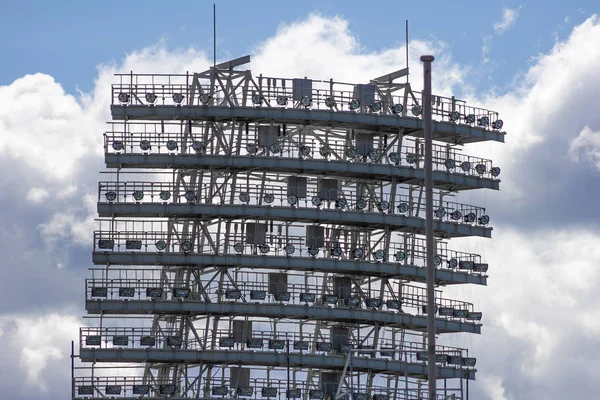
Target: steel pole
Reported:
[(429, 226)]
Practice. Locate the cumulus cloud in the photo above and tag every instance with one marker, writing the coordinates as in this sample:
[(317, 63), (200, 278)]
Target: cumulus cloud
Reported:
[(586, 147), (509, 17), (36, 195)]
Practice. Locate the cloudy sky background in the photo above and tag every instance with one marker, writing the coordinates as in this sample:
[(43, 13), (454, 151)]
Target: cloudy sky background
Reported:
[(541, 329)]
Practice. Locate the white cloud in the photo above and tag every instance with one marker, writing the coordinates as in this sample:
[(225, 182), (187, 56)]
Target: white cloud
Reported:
[(586, 147), (509, 17), (36, 195)]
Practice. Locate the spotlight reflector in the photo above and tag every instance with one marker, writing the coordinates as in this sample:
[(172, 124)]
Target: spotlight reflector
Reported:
[(292, 199), (258, 294), (233, 294), (145, 145), (304, 151), (373, 302), (324, 346), (95, 340), (446, 311), (470, 217), (376, 107), (264, 248), (483, 121), (313, 251), (336, 251), (165, 195), (289, 249), (106, 244), (354, 104), (351, 152), (469, 361), (293, 394), (470, 119), (300, 345), (361, 204), (85, 390), (251, 148), (353, 302), (394, 158), (411, 158), (381, 397), (198, 147), (424, 309), (308, 297), (379, 255), (186, 246), (275, 148), (400, 256), (147, 341), (282, 100), (124, 97), (178, 98), (484, 220), (325, 151), (440, 212), (151, 98), (161, 245), (383, 205), (182, 293), (254, 343), (306, 101), (465, 166), (174, 341), (358, 253), (330, 102), (154, 292), (373, 155), (480, 168), (110, 196), (268, 392), (316, 201), (141, 389), (341, 203), (126, 292), (455, 360), (403, 208), (219, 390), (113, 389), (461, 313), (99, 292), (133, 244), (474, 316), (244, 197), (204, 98), (330, 299), (120, 340), (282, 296), (269, 198), (450, 163), (276, 344), (256, 99), (244, 391), (480, 267), (454, 116), (456, 215), (466, 265), (441, 358), (437, 260), (393, 304), (117, 145), (498, 124), (238, 247), (171, 145), (138, 195), (316, 394), (397, 108), (495, 171), (452, 263), (416, 110)]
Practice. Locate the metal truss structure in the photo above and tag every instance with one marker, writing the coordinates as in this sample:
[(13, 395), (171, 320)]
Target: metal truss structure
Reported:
[(262, 238)]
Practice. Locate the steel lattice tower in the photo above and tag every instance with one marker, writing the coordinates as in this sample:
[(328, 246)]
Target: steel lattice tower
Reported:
[(263, 238)]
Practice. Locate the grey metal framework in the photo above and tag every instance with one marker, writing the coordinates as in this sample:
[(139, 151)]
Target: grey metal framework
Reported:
[(262, 238)]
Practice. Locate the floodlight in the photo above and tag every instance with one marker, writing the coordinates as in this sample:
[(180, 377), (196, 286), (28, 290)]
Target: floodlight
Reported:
[(397, 108), (330, 102), (376, 107), (133, 244), (373, 155), (85, 390), (120, 340), (393, 304), (238, 247), (454, 116), (341, 203), (446, 311), (394, 158), (469, 361), (483, 220), (358, 253), (416, 110), (383, 205), (361, 396), (204, 98), (178, 98), (351, 152), (198, 147), (304, 151), (440, 212), (313, 251), (99, 292), (361, 204), (275, 344), (124, 97), (474, 316), (470, 217), (325, 151), (258, 294), (182, 293), (254, 343), (186, 246), (151, 98), (450, 163), (233, 294), (154, 292), (282, 100), (147, 341), (300, 345), (264, 248), (411, 158), (483, 121), (373, 302), (465, 166), (145, 145), (379, 255), (480, 168), (456, 360), (219, 390), (315, 394), (400, 256), (251, 148), (171, 145), (244, 391), (308, 297), (456, 215), (452, 263), (324, 346), (381, 397), (424, 309), (95, 340), (282, 296), (112, 389), (107, 244), (138, 195), (441, 358), (292, 199), (126, 292), (306, 101), (336, 251), (293, 394), (403, 208), (165, 195), (160, 245), (244, 197), (466, 265), (495, 171), (480, 267), (256, 99), (117, 145), (316, 201), (470, 119), (289, 249), (498, 124), (461, 313), (275, 148), (141, 389), (110, 196), (174, 341), (437, 260), (330, 299), (354, 104), (269, 198)]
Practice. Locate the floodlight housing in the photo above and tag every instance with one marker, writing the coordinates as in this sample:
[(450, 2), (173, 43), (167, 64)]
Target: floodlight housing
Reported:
[(397, 108), (446, 311), (165, 195), (244, 197), (470, 217), (483, 220), (138, 195), (325, 151), (174, 341), (308, 297), (117, 145), (330, 299), (358, 253), (316, 394), (383, 205), (120, 340), (354, 104), (341, 203), (411, 158), (353, 302), (293, 393), (454, 116), (292, 199), (474, 315), (85, 390), (154, 292), (351, 152), (282, 100), (133, 244), (450, 163), (361, 204), (416, 110), (178, 98), (289, 249), (304, 151), (330, 102), (400, 256), (161, 245), (470, 119), (204, 98), (393, 304), (268, 392), (364, 396), (381, 397), (440, 212), (256, 99), (373, 302), (324, 346), (254, 343), (258, 294), (495, 171), (403, 208), (233, 294), (460, 313), (275, 148), (336, 251), (110, 196), (469, 361), (394, 158), (219, 390), (145, 145), (123, 97), (148, 341), (94, 340), (480, 267), (316, 201), (112, 389), (437, 260), (441, 358), (264, 248), (452, 263), (182, 293), (455, 360), (106, 244), (301, 345), (126, 292), (456, 215), (306, 101), (171, 145), (498, 124), (424, 309), (282, 296), (376, 107), (268, 198), (313, 251), (151, 98), (198, 147), (483, 121), (141, 389), (480, 168), (187, 246), (244, 391), (466, 265), (465, 166), (276, 344), (99, 291), (252, 148), (379, 255), (373, 155)]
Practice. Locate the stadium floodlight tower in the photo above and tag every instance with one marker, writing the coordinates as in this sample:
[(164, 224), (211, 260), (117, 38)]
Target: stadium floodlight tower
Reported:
[(275, 247)]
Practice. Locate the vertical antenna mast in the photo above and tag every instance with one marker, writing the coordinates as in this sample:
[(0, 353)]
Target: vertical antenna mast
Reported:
[(407, 51), (214, 35)]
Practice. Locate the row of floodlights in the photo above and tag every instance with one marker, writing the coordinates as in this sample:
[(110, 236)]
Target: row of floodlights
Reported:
[(166, 389), (151, 292), (448, 359), (171, 145)]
